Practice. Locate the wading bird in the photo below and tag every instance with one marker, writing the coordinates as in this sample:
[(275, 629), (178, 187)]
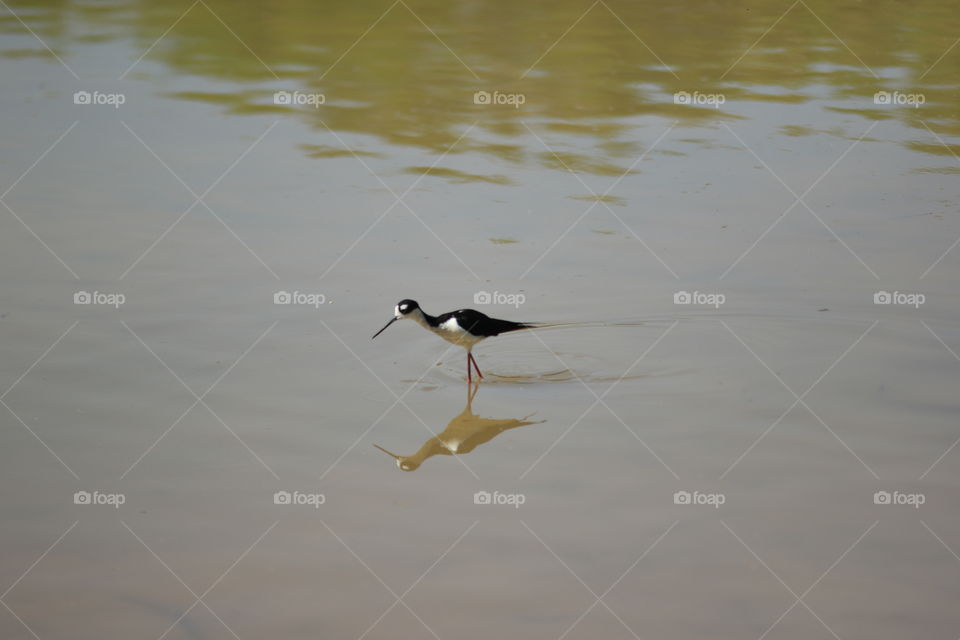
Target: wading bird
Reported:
[(464, 327)]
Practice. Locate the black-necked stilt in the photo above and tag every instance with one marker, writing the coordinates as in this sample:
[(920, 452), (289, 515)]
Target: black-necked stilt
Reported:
[(464, 327)]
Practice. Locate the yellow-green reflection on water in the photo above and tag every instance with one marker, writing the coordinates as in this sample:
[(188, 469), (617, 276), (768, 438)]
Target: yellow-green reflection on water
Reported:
[(464, 433), (407, 73)]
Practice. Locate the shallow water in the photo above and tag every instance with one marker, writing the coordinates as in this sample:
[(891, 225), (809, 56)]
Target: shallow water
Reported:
[(596, 190)]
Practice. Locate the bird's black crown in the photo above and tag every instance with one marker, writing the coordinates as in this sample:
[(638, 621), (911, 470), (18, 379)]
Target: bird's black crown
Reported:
[(407, 306)]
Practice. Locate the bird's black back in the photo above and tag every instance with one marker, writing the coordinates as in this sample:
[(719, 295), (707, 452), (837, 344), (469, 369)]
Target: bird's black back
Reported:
[(480, 324)]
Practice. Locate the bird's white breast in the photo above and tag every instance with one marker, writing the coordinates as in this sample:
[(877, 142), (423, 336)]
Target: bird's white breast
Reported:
[(450, 331)]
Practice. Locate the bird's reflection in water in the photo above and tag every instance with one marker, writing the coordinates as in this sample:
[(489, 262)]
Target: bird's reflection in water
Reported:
[(463, 434)]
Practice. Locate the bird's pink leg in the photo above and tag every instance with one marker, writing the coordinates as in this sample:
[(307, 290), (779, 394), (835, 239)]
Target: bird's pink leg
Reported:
[(469, 372), (475, 365)]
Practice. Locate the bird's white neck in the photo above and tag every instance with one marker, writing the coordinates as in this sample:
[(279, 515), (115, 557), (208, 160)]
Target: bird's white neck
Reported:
[(420, 318)]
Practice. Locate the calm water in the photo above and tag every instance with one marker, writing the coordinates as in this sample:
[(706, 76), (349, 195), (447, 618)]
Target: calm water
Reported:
[(788, 168)]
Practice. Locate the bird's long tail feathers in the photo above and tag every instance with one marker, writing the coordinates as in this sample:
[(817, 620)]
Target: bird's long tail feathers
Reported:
[(517, 326)]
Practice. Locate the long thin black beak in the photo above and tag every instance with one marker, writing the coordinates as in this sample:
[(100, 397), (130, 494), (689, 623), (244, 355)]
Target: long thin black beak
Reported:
[(387, 452), (392, 320)]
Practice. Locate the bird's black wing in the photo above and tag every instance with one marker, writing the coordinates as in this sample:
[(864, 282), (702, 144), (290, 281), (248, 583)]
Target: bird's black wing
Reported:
[(480, 324)]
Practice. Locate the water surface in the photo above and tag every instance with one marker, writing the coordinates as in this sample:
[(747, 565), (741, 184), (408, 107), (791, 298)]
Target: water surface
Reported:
[(581, 163)]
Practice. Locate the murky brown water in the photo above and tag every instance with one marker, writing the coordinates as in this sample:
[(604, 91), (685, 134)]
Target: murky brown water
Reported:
[(779, 165)]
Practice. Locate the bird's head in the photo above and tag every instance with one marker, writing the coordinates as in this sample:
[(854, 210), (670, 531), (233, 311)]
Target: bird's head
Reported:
[(402, 310), (406, 463)]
